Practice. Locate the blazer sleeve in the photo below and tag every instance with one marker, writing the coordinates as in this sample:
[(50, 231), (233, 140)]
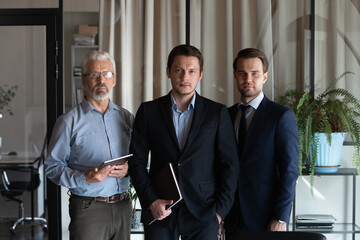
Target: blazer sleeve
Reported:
[(140, 146), (287, 155), (229, 172)]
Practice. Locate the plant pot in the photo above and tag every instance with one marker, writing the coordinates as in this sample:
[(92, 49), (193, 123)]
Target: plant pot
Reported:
[(328, 156), (135, 219)]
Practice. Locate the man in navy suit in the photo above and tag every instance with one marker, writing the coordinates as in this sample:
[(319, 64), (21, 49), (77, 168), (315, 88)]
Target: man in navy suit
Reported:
[(268, 151), (196, 135)]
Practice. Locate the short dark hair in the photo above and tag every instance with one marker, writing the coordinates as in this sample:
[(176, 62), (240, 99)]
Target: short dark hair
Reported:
[(252, 53), (185, 50)]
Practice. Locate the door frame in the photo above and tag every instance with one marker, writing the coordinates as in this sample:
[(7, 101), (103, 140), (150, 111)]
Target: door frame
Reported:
[(52, 19)]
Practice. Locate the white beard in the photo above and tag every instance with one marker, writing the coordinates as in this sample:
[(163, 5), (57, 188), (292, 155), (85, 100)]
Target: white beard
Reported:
[(99, 96)]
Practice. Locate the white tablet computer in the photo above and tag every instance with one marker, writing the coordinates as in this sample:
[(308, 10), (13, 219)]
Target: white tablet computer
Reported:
[(116, 161)]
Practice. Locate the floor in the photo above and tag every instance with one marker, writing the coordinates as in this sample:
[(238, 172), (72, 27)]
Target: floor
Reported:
[(23, 232)]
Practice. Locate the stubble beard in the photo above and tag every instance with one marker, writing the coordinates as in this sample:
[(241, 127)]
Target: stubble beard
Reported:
[(248, 94)]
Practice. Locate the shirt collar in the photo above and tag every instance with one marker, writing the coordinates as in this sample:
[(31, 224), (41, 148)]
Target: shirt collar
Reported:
[(255, 102), (190, 107), (87, 106)]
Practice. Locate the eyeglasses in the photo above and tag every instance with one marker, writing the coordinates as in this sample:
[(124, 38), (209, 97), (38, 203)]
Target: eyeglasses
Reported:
[(96, 75)]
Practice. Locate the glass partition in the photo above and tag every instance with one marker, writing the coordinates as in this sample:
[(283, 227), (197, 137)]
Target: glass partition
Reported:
[(23, 64)]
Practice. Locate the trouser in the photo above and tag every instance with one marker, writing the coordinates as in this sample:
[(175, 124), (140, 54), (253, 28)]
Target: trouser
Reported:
[(183, 224), (90, 219)]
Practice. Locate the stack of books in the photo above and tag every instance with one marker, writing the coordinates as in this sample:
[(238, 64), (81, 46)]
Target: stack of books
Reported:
[(77, 71), (315, 221)]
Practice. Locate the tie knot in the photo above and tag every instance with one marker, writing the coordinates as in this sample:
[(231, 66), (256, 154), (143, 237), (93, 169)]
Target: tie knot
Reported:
[(244, 109)]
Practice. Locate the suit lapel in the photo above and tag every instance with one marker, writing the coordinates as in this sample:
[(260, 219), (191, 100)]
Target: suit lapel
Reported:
[(233, 111), (259, 116), (199, 114), (166, 114)]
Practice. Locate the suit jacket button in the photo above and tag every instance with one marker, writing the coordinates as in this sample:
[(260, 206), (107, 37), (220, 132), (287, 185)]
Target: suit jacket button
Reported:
[(179, 164)]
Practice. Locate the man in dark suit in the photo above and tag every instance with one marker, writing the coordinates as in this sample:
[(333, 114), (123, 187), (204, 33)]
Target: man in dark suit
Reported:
[(268, 151), (195, 134)]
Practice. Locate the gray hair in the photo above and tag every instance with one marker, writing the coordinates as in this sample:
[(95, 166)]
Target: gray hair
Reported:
[(96, 55)]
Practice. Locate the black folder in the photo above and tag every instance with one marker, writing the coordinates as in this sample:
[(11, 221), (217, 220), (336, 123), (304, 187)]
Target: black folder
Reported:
[(166, 187)]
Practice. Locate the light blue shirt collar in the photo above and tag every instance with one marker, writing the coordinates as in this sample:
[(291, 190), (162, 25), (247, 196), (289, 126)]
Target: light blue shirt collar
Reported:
[(255, 102), (190, 106), (87, 106)]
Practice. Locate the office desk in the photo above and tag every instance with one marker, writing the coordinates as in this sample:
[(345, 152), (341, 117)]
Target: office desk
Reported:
[(13, 162), (21, 163)]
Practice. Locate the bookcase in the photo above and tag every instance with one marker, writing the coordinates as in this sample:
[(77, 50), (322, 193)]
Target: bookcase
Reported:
[(350, 228), (78, 52)]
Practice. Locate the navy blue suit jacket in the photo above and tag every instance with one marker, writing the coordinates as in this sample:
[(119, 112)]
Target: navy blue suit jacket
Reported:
[(207, 169), (268, 168)]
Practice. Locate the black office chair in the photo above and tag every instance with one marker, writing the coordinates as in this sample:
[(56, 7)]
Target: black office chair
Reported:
[(11, 190), (264, 235)]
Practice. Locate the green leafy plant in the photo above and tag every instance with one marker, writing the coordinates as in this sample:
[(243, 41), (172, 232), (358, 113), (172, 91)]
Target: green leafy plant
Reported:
[(133, 196), (334, 110), (136, 213), (6, 95)]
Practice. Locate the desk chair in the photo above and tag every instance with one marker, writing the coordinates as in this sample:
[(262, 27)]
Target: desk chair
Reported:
[(264, 235), (12, 190)]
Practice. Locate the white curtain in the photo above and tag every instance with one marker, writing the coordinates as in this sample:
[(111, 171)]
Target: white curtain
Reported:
[(140, 34), (337, 46)]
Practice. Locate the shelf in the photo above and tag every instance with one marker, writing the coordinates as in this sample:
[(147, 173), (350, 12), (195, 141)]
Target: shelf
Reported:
[(78, 52), (338, 228), (340, 172), (86, 46)]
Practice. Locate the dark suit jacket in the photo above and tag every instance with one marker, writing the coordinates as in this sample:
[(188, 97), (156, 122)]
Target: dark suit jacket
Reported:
[(207, 169), (268, 167)]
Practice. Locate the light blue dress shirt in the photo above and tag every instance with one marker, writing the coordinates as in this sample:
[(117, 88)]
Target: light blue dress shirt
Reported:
[(182, 121), (84, 138)]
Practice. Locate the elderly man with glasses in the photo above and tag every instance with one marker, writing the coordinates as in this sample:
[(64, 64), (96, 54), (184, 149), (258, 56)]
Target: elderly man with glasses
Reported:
[(94, 131)]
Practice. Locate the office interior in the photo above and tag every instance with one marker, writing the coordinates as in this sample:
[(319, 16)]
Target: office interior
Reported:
[(308, 43)]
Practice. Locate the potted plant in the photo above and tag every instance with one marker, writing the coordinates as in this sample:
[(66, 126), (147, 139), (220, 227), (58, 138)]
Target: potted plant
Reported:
[(6, 95), (335, 110), (136, 213)]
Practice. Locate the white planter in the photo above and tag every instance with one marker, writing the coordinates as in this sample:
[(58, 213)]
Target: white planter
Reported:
[(328, 156), (135, 219)]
